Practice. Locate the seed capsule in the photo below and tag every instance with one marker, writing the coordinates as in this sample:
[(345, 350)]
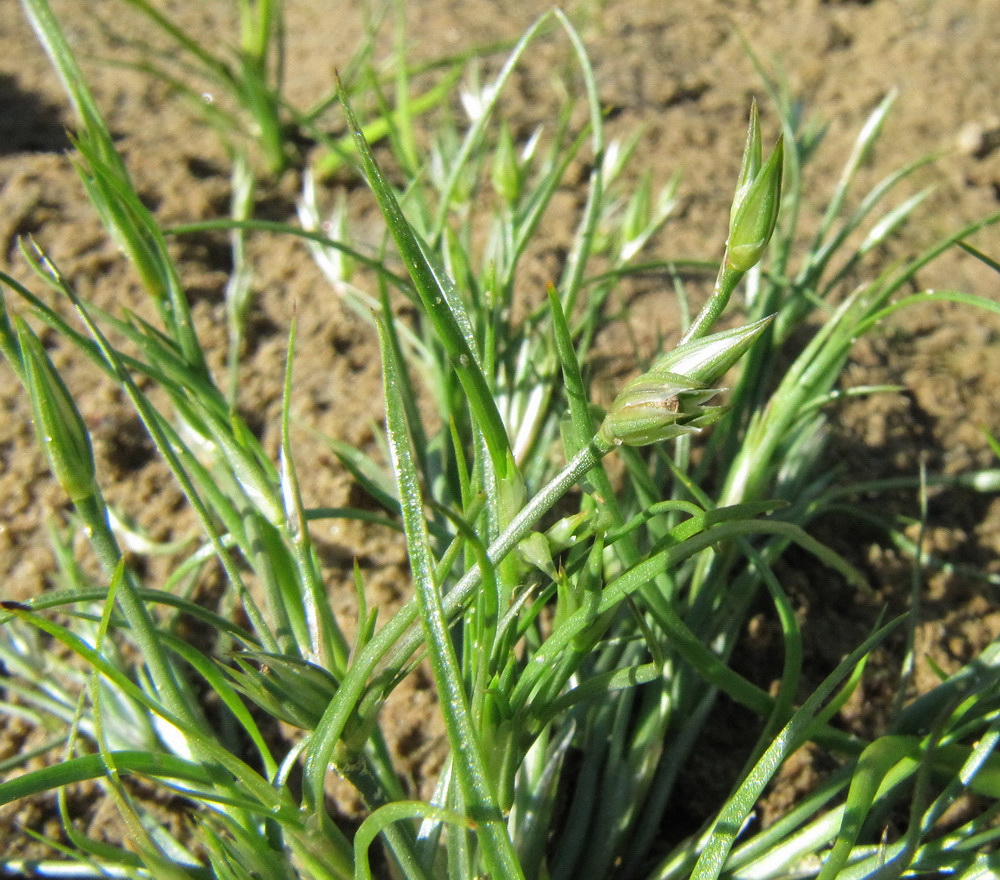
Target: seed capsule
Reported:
[(58, 422), (662, 403)]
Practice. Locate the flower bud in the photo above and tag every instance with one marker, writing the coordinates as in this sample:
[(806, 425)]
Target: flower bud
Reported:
[(658, 406), (507, 174), (707, 359), (750, 166), (58, 422), (668, 400), (754, 212)]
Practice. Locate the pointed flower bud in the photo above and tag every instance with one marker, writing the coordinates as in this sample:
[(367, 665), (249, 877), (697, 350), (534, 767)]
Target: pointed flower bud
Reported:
[(754, 211), (58, 422), (752, 158), (669, 399), (507, 175), (657, 407)]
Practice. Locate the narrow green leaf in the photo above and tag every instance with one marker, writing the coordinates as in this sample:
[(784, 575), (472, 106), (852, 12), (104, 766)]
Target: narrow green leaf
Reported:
[(441, 306), (979, 255), (731, 818), (399, 811), (874, 764), (470, 764)]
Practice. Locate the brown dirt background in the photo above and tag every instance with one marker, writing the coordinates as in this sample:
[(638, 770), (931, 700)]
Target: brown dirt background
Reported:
[(678, 72)]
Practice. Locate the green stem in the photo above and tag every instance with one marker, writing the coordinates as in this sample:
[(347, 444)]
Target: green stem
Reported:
[(725, 284), (143, 629), (519, 528), (402, 639)]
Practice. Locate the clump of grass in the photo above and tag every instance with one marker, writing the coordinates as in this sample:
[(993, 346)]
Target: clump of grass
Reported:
[(236, 82), (575, 660)]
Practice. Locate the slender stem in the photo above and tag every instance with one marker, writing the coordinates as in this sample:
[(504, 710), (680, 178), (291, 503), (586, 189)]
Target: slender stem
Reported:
[(725, 284), (169, 689), (402, 639), (516, 531)]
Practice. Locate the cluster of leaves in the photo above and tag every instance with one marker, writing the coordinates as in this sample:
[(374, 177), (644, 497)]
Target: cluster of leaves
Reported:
[(575, 663)]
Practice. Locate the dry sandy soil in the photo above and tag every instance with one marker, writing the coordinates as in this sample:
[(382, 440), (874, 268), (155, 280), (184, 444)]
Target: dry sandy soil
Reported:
[(677, 71)]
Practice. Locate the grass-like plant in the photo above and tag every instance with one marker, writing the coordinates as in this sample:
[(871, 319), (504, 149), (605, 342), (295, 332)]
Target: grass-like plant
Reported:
[(236, 81), (578, 623)]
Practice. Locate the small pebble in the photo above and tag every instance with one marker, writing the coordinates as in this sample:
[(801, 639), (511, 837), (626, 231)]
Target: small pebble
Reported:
[(979, 139)]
